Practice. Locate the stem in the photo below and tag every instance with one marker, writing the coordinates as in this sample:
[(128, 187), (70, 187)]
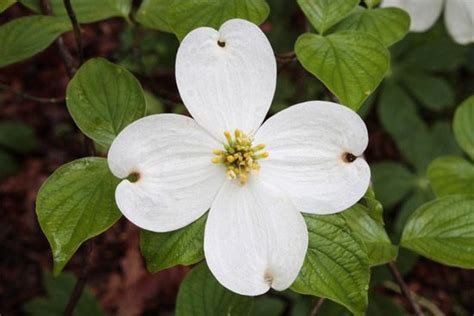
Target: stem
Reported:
[(405, 290), (77, 30), (423, 301), (284, 58), (317, 306), (27, 96), (68, 61), (64, 53), (81, 281)]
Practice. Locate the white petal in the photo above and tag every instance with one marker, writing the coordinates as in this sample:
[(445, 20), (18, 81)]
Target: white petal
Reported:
[(254, 238), (172, 154), (229, 87), (423, 13), (306, 143), (459, 18)]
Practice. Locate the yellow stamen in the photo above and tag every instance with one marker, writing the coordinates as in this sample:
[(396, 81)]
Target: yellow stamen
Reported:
[(238, 156)]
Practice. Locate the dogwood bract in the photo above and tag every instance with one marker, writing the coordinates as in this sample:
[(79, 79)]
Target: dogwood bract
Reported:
[(458, 16), (254, 179)]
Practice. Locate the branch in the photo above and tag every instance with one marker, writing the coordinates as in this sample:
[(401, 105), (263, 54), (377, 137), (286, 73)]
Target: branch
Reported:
[(81, 281), (284, 58), (27, 96), (423, 301), (405, 290), (64, 53), (77, 30), (317, 306)]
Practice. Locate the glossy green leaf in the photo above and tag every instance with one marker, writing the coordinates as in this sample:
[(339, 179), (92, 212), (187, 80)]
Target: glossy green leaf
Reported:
[(87, 11), (76, 202), (180, 17), (389, 25), (451, 175), (8, 164), (379, 247), (351, 64), (17, 137), (325, 13), (392, 181), (443, 230), (336, 264), (183, 246), (27, 36), (58, 291), (201, 295), (433, 92), (5, 4), (463, 126), (103, 99)]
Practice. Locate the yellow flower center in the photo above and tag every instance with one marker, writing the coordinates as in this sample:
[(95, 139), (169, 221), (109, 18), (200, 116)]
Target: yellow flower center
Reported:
[(238, 156)]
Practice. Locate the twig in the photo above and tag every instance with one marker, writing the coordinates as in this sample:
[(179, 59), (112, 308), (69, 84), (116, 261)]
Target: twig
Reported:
[(89, 145), (405, 290), (423, 301), (77, 30), (27, 96), (317, 306), (137, 50), (284, 58), (64, 53), (81, 281)]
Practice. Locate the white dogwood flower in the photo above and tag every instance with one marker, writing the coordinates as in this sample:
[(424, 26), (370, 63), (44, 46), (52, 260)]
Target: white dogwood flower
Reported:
[(254, 179), (458, 16)]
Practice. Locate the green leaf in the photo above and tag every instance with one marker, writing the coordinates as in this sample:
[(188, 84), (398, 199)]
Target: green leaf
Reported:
[(374, 206), (17, 136), (434, 93), (407, 209), (267, 305), (349, 63), (103, 99), (451, 175), (181, 17), (463, 124), (443, 140), (336, 264), (389, 25), (59, 290), (153, 104), (8, 164), (398, 115), (325, 13), (76, 202), (440, 54), (87, 11), (379, 247), (372, 3), (382, 305), (443, 230), (183, 246), (25, 37), (392, 182), (5, 4), (201, 294)]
